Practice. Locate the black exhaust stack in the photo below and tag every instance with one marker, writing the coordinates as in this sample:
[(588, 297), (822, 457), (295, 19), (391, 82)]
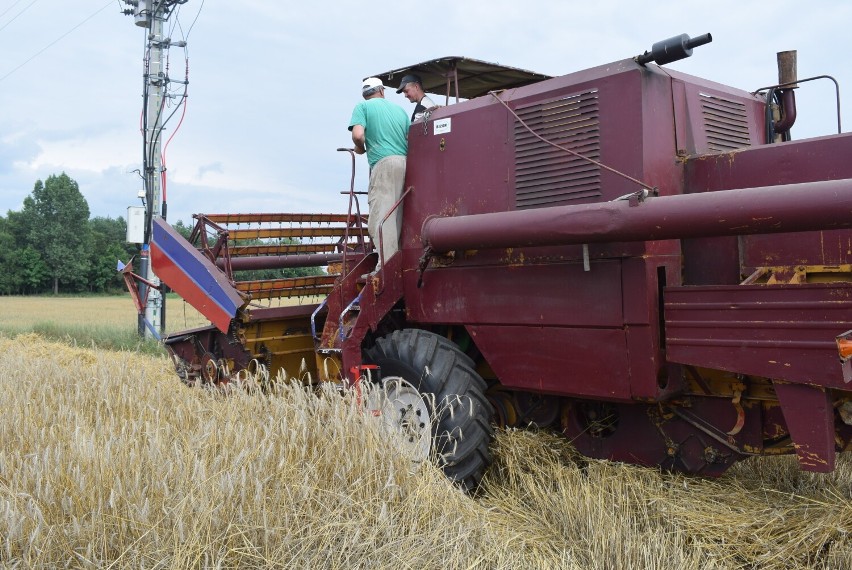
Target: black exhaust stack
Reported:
[(672, 49)]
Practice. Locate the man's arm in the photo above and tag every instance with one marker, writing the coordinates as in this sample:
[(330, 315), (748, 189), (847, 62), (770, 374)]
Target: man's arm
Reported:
[(358, 139)]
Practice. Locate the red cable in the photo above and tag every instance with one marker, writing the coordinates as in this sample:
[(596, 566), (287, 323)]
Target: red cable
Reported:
[(174, 132)]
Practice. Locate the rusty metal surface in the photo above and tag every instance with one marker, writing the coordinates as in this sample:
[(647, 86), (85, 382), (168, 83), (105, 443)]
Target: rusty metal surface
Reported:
[(283, 249), (584, 362), (287, 232), (290, 287), (282, 261), (770, 209), (784, 332), (490, 295), (785, 163), (282, 218), (809, 415)]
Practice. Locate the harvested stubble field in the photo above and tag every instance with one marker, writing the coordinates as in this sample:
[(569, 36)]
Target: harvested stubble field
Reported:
[(107, 461)]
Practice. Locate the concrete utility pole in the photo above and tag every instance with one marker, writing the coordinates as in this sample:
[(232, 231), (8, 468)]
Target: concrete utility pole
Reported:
[(152, 14)]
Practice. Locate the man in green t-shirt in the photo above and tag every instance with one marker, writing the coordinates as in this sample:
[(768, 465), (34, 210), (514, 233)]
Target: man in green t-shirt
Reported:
[(380, 129)]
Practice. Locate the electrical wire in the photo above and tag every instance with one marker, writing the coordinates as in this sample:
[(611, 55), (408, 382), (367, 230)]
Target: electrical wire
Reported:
[(182, 104), (192, 25), (180, 122), (16, 15), (173, 23), (15, 3), (57, 40)]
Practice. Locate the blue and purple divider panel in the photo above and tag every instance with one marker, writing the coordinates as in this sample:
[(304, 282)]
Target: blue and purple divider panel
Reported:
[(192, 276)]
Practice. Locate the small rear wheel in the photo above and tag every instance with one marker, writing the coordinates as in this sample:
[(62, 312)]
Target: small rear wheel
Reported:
[(435, 402)]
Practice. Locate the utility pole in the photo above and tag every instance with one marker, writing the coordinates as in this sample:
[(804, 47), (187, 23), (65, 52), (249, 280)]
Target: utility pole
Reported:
[(151, 15)]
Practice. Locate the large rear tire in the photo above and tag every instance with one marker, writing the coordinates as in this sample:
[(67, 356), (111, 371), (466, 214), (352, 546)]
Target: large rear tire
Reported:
[(453, 393)]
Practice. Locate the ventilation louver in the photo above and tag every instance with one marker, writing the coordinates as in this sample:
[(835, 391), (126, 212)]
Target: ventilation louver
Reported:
[(545, 175), (725, 123)]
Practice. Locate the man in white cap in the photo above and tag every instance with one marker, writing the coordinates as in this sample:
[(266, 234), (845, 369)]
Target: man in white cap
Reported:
[(412, 87), (380, 129)]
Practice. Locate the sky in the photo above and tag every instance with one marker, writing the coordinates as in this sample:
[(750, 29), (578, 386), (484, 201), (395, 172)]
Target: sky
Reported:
[(272, 84)]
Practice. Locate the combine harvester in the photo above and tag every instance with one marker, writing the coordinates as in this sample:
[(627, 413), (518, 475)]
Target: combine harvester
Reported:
[(636, 257)]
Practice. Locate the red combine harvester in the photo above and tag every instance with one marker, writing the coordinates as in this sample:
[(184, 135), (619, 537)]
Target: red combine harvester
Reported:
[(636, 257)]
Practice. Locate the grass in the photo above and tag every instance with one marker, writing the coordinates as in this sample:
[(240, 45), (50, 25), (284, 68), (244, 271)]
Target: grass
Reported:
[(107, 322), (107, 461)]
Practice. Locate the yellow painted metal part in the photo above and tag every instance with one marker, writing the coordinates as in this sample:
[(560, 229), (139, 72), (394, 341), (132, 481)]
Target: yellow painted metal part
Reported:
[(284, 346), (800, 274)]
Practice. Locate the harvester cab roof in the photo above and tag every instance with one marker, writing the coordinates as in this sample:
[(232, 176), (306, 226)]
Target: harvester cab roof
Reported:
[(463, 77), (466, 78)]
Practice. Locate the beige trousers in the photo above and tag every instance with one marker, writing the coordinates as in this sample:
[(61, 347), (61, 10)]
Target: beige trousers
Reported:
[(386, 181)]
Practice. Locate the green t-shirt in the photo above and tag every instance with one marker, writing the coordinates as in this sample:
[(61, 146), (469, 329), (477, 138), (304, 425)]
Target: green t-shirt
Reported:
[(385, 128)]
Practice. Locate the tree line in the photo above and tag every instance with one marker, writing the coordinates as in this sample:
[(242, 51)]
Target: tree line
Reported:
[(52, 246)]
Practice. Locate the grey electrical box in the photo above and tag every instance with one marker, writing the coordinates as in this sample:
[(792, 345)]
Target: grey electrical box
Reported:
[(135, 224), (143, 13)]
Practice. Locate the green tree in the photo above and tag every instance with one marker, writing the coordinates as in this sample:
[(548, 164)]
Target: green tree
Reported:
[(106, 246), (32, 270), (7, 252), (183, 229), (22, 270), (60, 229)]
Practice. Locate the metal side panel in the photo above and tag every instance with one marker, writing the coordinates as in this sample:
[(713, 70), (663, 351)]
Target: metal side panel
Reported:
[(192, 276), (809, 415), (783, 332), (578, 362)]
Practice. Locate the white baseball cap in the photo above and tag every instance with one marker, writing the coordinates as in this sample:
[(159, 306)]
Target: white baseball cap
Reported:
[(371, 83)]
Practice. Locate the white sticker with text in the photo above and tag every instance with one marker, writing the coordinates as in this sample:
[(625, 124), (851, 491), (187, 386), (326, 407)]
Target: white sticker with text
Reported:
[(442, 126)]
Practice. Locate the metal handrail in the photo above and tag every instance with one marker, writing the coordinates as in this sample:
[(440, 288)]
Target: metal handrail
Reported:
[(353, 199), (321, 306), (772, 88), (344, 312)]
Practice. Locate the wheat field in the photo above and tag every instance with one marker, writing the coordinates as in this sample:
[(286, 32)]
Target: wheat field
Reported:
[(118, 312), (107, 461)]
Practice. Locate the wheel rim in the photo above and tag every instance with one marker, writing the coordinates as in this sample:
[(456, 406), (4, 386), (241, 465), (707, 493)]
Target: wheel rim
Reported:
[(209, 368), (597, 419), (406, 418)]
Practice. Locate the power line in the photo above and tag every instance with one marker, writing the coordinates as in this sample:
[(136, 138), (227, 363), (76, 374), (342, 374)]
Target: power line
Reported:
[(16, 15), (15, 3), (192, 25), (57, 40)]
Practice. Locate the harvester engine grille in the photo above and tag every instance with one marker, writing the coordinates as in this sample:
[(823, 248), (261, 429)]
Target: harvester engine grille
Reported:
[(725, 123), (546, 175)]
